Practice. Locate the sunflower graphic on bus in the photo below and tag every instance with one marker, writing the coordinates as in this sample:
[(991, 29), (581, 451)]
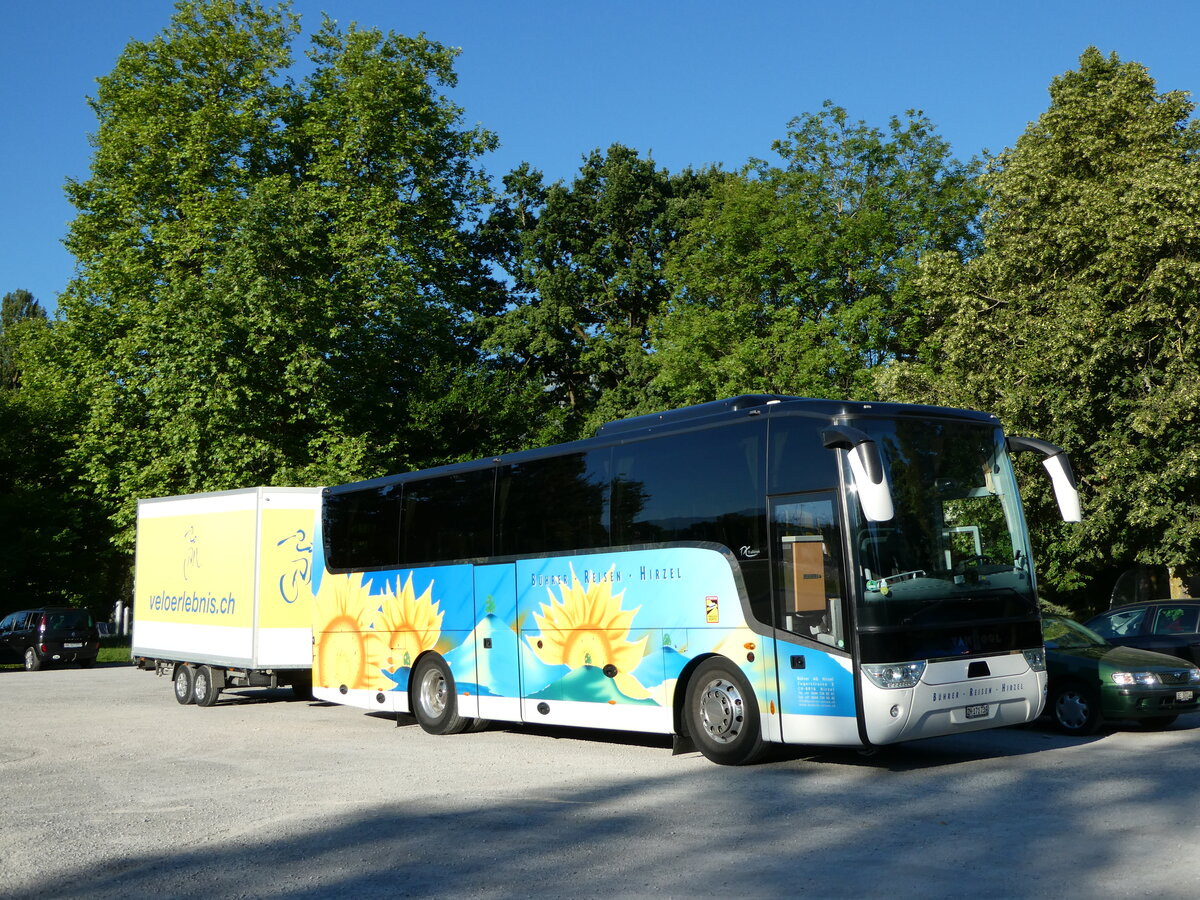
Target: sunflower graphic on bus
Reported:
[(409, 624), (361, 637), (347, 651), (587, 626)]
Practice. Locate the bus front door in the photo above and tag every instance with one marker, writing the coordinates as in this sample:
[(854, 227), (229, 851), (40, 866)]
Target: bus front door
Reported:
[(816, 680)]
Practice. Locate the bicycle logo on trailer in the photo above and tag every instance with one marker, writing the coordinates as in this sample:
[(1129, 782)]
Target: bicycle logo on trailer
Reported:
[(292, 582)]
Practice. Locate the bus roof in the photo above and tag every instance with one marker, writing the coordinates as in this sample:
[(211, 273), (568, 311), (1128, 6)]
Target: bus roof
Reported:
[(688, 417)]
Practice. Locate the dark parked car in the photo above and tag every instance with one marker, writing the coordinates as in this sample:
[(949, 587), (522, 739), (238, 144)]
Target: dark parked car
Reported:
[(1164, 626), (43, 636), (1091, 679)]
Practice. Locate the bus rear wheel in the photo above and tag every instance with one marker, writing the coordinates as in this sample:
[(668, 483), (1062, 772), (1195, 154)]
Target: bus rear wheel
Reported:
[(721, 714), (434, 702)]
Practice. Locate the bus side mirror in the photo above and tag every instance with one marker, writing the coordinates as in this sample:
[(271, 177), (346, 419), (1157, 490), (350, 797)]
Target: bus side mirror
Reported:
[(866, 468), (1066, 491)]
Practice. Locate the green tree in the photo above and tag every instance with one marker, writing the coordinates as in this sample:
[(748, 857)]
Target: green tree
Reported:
[(18, 310), (587, 265), (276, 279), (1080, 321), (796, 277), (56, 546)]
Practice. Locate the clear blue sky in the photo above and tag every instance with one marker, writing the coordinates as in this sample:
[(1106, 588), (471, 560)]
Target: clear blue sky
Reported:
[(689, 83)]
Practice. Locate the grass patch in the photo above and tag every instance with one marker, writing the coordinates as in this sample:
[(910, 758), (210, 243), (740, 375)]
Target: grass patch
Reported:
[(113, 650)]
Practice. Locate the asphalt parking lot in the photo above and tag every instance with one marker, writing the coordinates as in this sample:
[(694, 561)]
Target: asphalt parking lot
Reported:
[(111, 789)]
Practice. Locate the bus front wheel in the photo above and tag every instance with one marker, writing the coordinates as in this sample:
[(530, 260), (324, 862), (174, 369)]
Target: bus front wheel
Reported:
[(433, 699), (721, 714)]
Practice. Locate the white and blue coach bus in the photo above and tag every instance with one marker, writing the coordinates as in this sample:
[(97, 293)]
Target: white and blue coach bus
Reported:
[(753, 570)]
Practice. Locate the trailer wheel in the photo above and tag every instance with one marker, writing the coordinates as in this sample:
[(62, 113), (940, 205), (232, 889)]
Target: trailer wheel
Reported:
[(433, 698), (204, 689), (183, 684), (721, 713)]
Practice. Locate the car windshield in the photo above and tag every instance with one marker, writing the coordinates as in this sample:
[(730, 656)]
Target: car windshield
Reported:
[(1067, 634)]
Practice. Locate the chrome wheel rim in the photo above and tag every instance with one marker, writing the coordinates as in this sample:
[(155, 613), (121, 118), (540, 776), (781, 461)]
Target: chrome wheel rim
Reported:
[(433, 693), (722, 710)]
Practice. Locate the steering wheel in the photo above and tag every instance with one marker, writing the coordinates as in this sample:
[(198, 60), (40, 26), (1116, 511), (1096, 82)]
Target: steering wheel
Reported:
[(977, 560)]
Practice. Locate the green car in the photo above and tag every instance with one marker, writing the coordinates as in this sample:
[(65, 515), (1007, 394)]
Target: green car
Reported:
[(1091, 679)]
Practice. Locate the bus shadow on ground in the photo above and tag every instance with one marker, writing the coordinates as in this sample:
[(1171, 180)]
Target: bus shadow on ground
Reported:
[(772, 831)]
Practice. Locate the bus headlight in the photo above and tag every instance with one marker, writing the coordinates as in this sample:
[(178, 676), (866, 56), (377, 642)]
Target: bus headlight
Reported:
[(894, 675), (1036, 658)]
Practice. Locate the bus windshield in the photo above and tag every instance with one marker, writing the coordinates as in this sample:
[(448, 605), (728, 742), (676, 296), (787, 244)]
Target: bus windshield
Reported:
[(950, 573)]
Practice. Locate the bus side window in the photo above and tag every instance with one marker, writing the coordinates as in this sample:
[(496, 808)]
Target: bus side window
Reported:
[(448, 518), (362, 527), (704, 486), (552, 504), (809, 570)]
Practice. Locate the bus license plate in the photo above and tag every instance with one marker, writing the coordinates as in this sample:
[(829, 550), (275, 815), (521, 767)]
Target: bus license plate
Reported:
[(979, 711), (1184, 696)]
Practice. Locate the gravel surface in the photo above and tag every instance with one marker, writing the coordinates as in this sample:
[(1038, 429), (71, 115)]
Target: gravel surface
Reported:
[(112, 789)]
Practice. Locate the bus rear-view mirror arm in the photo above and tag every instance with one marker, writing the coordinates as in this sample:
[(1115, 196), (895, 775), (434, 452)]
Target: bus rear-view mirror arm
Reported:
[(1062, 477), (866, 467)]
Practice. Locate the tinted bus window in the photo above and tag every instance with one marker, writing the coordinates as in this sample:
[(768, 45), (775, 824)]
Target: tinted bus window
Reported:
[(362, 527), (700, 486), (448, 517), (553, 504), (798, 459)]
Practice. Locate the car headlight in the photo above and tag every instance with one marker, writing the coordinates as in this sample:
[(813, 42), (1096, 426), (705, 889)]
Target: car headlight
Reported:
[(894, 675), (1194, 675), (1127, 678), (1036, 659)]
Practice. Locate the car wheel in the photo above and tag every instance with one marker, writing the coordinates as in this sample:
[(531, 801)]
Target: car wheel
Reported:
[(1076, 710), (1158, 723), (33, 662), (721, 714), (434, 702), (183, 684), (204, 687)]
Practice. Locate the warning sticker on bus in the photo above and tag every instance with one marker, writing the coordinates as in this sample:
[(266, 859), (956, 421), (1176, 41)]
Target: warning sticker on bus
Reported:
[(712, 612)]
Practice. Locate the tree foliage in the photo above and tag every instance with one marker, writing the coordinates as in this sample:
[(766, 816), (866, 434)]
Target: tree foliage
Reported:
[(275, 278), (795, 277), (18, 310), (1080, 320), (587, 264), (56, 539)]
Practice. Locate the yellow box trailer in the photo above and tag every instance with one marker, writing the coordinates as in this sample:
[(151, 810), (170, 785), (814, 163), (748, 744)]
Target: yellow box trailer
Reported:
[(222, 589)]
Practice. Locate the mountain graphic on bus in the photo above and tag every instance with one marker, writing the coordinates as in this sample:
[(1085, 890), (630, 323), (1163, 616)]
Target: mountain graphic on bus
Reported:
[(588, 685), (494, 672)]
